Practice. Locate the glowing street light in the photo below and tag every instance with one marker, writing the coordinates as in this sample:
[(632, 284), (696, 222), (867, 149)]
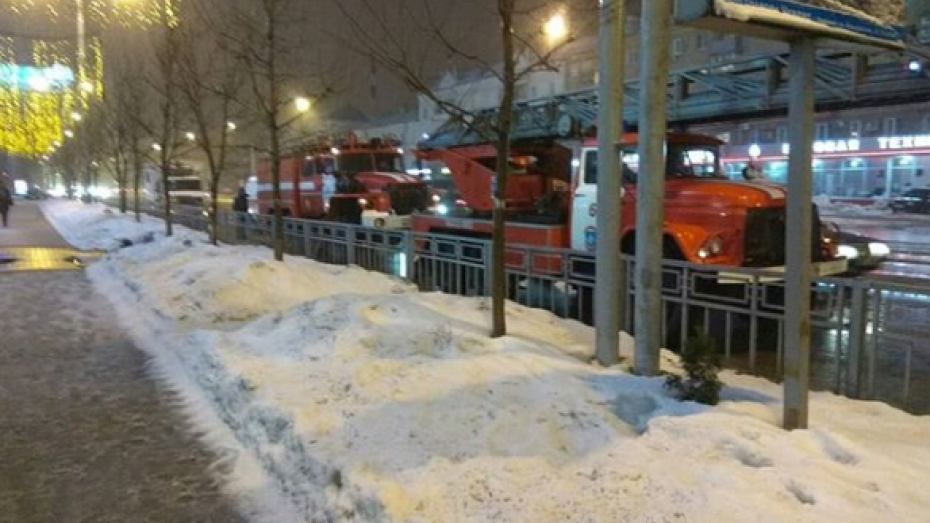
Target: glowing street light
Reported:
[(302, 103), (76, 116), (87, 86), (69, 133), (191, 137), (231, 126), (556, 28), (156, 146)]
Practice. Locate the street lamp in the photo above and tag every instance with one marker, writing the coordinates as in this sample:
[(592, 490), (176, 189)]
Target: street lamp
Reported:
[(76, 116), (556, 28), (191, 137), (156, 146), (69, 133), (302, 103), (231, 126)]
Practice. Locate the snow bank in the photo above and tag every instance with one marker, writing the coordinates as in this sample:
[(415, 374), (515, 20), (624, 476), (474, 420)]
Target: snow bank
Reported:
[(96, 226), (365, 401), (829, 207)]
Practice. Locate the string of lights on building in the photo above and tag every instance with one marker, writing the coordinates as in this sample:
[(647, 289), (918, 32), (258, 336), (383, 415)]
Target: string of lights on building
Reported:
[(42, 83)]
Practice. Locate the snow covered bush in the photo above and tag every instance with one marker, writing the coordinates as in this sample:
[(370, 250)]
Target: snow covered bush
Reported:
[(702, 364)]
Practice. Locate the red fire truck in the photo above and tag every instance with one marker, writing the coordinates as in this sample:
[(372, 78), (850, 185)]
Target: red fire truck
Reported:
[(552, 193), (346, 180)]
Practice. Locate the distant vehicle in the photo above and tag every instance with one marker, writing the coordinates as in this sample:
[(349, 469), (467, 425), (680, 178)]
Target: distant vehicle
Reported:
[(862, 252), (916, 201), (185, 187)]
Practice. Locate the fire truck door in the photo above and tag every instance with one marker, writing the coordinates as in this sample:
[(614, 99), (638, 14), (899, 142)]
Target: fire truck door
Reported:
[(584, 203)]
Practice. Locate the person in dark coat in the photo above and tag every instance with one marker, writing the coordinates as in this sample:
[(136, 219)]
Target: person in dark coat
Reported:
[(241, 206), (241, 201), (6, 201)]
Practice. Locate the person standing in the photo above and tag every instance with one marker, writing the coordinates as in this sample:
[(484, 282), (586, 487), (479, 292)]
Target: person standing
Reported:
[(6, 201), (240, 206), (752, 173)]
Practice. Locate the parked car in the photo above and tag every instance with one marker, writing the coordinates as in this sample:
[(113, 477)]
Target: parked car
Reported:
[(915, 201), (862, 252)]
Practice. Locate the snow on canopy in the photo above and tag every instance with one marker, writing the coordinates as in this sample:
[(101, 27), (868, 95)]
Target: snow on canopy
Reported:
[(889, 11)]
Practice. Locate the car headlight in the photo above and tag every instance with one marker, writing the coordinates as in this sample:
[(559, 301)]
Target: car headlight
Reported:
[(442, 209), (848, 251), (879, 249)]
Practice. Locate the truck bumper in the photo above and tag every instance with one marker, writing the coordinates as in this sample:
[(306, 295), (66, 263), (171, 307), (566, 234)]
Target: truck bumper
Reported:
[(776, 274), (383, 220)]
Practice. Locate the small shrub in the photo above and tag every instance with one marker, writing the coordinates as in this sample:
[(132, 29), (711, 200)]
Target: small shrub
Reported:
[(702, 365)]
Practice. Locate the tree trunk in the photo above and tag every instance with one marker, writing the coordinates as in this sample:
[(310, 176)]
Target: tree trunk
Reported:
[(275, 140), (276, 196), (136, 182), (123, 197), (498, 244), (166, 186), (214, 213)]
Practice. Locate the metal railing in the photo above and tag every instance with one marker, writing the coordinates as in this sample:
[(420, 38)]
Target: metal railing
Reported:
[(869, 337)]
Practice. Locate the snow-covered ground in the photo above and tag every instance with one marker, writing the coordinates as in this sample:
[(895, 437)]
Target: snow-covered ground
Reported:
[(364, 400), (97, 227)]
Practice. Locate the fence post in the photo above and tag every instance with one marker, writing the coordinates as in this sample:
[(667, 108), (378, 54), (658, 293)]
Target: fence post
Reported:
[(486, 251), (410, 252), (350, 244), (858, 320)]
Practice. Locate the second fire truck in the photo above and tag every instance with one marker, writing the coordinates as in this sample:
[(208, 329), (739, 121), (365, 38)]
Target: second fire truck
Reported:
[(346, 180)]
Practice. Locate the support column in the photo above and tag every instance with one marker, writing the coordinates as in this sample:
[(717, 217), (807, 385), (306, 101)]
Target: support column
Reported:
[(650, 212), (798, 236), (608, 305)]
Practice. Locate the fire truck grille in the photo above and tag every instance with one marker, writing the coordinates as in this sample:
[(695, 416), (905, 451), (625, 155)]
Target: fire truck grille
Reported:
[(765, 237), (407, 198), (345, 209)]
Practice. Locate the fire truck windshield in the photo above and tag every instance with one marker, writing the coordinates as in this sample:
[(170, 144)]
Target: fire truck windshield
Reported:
[(352, 163), (683, 161)]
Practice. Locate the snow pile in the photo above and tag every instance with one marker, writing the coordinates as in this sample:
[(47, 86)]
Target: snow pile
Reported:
[(364, 401), (862, 22), (829, 207), (98, 227)]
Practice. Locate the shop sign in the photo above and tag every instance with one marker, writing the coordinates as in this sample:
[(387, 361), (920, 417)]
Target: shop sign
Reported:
[(904, 142), (830, 146)]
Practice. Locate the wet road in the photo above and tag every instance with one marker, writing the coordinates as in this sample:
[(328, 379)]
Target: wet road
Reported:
[(86, 435)]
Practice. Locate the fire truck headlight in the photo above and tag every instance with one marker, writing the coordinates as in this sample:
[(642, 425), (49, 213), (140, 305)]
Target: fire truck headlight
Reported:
[(442, 209), (379, 222), (848, 251), (714, 246), (879, 249)]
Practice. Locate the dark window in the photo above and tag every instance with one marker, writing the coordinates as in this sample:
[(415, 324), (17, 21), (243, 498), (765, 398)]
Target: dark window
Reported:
[(309, 168)]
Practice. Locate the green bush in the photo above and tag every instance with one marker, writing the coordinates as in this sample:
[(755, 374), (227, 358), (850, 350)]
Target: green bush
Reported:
[(702, 365)]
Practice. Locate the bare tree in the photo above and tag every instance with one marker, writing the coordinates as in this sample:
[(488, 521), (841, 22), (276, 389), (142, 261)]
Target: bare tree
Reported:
[(409, 37), (165, 128), (209, 81), (268, 40)]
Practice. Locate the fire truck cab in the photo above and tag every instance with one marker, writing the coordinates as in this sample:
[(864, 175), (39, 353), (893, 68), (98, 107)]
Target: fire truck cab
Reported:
[(346, 180)]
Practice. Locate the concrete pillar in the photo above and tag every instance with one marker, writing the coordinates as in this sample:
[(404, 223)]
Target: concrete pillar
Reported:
[(650, 212), (798, 236), (608, 305)]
